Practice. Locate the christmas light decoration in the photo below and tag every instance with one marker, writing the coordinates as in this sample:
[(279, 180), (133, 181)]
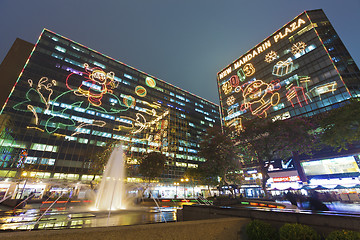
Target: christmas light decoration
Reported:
[(297, 93), (260, 96), (271, 56), (248, 69), (324, 88), (150, 82), (298, 48), (283, 68), (140, 91), (230, 101), (97, 83)]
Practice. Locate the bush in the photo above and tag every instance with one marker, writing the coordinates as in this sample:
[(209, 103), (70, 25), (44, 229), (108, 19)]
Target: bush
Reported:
[(343, 235), (259, 230), (295, 231)]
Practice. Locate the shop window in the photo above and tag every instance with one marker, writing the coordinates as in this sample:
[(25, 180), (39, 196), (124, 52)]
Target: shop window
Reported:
[(55, 55)]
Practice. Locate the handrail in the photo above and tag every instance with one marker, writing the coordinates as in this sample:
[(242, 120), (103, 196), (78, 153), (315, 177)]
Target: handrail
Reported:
[(46, 210), (31, 195), (204, 200), (157, 204), (6, 197)]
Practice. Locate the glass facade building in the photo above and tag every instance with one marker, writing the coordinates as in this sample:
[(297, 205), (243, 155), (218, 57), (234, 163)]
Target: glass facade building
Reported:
[(70, 101), (302, 69)]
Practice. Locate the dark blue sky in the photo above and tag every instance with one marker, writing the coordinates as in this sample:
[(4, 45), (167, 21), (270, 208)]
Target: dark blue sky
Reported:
[(182, 42)]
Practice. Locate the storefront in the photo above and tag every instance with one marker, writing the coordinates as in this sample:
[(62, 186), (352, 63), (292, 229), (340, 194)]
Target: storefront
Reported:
[(283, 180), (4, 187), (329, 173), (24, 189)]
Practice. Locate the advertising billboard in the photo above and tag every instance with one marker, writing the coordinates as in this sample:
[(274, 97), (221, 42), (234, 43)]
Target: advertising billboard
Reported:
[(340, 165)]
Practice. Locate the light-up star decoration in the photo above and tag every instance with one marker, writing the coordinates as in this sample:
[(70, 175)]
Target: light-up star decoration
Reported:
[(271, 56), (298, 47)]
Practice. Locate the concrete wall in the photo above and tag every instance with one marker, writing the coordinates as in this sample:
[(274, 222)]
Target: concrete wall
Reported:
[(219, 229), (12, 65), (323, 223)]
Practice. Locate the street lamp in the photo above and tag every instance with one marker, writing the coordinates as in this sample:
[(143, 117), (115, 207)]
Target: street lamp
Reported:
[(176, 185), (184, 180)]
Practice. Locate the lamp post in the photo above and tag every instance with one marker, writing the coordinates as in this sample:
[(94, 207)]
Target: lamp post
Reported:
[(184, 180), (176, 185)]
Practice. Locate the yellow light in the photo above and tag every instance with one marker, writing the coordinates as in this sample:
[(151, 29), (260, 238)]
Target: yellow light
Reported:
[(24, 174), (35, 128)]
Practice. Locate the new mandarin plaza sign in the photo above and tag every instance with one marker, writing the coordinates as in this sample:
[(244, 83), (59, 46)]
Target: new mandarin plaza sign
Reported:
[(262, 47)]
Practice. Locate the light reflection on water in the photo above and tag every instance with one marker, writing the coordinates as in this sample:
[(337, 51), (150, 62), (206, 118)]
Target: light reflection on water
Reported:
[(62, 218)]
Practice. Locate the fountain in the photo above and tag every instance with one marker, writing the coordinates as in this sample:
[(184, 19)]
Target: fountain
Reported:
[(111, 194)]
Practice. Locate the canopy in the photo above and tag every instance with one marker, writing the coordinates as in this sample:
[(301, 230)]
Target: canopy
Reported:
[(319, 187), (306, 187)]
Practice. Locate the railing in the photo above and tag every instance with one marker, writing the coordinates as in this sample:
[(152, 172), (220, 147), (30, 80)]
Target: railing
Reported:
[(205, 201)]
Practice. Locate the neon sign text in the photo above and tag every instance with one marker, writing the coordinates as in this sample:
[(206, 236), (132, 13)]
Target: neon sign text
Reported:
[(262, 47), (292, 27), (253, 54), (286, 179)]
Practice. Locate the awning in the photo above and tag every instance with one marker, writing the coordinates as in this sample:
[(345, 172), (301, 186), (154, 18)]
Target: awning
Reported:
[(319, 187)]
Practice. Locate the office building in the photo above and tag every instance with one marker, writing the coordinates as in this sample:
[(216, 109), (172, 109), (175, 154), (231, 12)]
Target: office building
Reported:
[(302, 69), (70, 101)]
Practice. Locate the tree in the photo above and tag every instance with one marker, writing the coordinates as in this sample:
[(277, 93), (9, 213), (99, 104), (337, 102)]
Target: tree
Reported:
[(266, 140), (219, 150), (152, 165), (201, 176), (340, 127)]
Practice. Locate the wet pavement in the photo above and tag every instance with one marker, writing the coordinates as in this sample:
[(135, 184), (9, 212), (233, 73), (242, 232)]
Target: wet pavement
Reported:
[(62, 216)]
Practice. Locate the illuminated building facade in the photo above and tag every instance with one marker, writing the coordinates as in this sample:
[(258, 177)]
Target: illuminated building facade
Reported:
[(70, 101), (300, 70)]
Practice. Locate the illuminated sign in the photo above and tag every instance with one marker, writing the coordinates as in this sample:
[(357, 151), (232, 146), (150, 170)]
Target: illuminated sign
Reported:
[(286, 179), (331, 166), (262, 47), (289, 29)]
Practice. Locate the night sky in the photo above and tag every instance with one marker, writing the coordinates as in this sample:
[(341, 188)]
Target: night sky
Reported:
[(183, 42)]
